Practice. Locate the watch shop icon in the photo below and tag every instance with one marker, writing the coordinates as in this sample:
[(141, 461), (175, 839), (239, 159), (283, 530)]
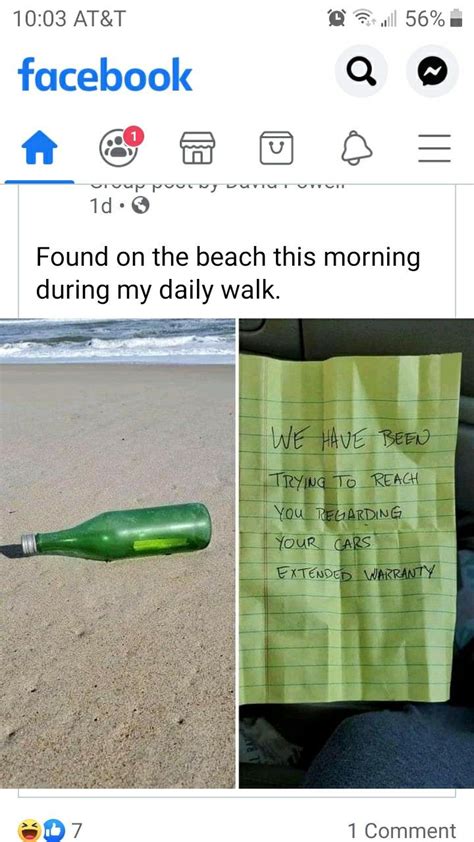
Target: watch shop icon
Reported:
[(198, 147), (276, 148)]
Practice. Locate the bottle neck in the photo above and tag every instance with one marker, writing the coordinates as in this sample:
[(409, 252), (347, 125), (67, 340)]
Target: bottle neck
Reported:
[(57, 543), (48, 543)]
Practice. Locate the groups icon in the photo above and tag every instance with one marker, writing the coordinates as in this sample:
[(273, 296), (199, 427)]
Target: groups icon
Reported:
[(31, 830)]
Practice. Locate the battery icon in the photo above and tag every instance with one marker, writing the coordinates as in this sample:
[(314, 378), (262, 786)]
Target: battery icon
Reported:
[(455, 17)]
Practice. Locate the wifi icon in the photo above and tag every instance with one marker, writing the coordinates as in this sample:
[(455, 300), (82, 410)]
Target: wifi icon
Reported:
[(365, 16)]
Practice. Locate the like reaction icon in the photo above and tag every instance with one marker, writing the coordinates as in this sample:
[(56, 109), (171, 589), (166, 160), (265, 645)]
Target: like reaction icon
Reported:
[(54, 830)]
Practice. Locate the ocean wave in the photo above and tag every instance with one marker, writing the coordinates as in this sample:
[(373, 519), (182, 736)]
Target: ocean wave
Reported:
[(155, 342), (133, 348)]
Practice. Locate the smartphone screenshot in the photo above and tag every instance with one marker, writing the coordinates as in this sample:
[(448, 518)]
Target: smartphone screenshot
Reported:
[(237, 420)]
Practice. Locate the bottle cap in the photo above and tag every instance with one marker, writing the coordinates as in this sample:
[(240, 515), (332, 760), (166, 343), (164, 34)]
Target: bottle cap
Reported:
[(28, 543)]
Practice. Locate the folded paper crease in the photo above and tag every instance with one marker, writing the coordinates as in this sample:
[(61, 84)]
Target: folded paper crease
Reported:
[(348, 538)]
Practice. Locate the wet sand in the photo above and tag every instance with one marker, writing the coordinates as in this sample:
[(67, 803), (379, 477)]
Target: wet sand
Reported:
[(121, 674)]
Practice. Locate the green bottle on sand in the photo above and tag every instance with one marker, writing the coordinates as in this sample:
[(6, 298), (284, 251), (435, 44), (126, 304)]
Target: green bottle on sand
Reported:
[(132, 533)]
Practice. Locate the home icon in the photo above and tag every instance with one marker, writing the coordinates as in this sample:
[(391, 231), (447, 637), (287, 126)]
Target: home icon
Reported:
[(197, 147), (39, 144)]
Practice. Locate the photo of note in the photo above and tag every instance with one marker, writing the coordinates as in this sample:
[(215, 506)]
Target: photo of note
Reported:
[(347, 528)]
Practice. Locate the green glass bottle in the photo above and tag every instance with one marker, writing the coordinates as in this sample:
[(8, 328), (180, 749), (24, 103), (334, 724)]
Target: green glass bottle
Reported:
[(132, 533)]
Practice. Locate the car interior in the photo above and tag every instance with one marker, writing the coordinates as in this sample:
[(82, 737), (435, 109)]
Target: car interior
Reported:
[(310, 726)]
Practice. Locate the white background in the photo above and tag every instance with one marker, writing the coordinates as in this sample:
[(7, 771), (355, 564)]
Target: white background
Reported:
[(351, 218), (465, 251), (256, 815), (256, 67)]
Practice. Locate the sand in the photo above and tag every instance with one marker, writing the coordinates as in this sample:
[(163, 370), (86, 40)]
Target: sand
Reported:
[(121, 674)]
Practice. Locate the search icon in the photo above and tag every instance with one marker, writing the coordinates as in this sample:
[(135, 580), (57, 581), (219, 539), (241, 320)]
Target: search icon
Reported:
[(362, 71), (361, 74)]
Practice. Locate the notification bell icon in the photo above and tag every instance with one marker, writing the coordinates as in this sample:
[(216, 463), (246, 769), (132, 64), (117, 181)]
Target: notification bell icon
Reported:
[(355, 148)]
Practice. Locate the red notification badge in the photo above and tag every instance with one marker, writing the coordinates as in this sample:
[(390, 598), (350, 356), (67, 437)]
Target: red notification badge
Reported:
[(133, 136)]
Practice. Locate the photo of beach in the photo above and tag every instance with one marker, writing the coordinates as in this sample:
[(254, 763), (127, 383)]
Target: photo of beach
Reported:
[(117, 674)]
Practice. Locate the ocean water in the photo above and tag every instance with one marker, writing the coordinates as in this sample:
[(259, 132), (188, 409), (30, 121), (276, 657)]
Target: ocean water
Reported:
[(117, 341)]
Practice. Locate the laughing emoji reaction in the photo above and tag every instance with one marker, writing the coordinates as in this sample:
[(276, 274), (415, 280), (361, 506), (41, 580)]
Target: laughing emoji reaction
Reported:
[(29, 830)]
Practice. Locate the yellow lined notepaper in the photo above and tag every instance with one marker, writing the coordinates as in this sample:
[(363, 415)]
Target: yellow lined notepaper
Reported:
[(347, 528)]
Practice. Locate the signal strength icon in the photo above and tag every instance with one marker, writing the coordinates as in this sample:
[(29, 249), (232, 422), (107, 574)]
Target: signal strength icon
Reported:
[(390, 20)]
